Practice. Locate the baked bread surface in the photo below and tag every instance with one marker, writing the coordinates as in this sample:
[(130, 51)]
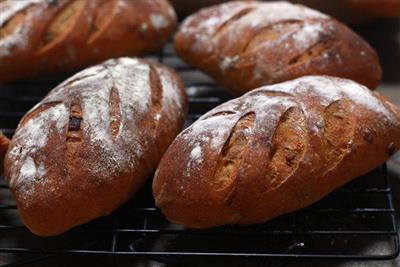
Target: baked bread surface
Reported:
[(90, 144), (274, 150), (39, 37), (246, 44)]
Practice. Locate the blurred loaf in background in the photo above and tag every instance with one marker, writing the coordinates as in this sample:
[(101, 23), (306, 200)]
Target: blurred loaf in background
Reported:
[(246, 44), (348, 11), (41, 37)]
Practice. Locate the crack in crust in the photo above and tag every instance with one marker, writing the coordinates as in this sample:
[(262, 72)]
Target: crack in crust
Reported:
[(315, 51), (62, 23), (240, 14), (233, 151), (101, 17), (74, 134), (10, 25), (288, 147), (115, 113), (270, 33), (20, 12), (156, 95), (339, 130)]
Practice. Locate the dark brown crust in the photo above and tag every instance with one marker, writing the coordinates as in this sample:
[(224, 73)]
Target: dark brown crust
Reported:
[(247, 44), (90, 144), (68, 35), (274, 150)]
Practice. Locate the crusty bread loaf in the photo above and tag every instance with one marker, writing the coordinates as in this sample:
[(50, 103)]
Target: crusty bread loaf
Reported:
[(91, 143), (274, 150), (247, 44), (51, 36), (4, 144)]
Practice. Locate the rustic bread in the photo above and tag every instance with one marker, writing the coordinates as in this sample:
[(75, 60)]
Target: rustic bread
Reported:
[(274, 150), (4, 144), (246, 44), (50, 36), (91, 143)]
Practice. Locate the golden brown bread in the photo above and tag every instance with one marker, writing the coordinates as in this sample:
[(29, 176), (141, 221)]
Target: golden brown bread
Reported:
[(274, 150), (50, 36), (91, 143), (247, 44)]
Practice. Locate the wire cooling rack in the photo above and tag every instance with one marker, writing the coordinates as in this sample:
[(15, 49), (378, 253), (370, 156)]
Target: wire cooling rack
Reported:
[(338, 227)]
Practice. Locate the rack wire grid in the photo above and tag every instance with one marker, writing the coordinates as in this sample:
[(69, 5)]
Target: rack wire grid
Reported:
[(338, 227)]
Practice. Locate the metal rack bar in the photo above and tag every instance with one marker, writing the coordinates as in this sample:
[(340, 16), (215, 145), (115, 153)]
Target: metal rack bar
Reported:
[(200, 254)]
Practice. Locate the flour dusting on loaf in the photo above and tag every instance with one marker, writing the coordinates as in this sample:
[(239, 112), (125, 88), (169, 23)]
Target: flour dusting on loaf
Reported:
[(309, 35), (276, 149), (40, 37), (31, 138), (326, 90), (159, 21), (28, 170), (196, 153), (100, 132), (19, 38), (246, 44), (8, 11)]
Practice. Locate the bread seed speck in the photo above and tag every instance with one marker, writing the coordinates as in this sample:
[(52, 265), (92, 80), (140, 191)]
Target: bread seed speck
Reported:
[(74, 124)]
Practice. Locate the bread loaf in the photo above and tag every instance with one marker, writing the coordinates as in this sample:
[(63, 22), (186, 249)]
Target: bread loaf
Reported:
[(90, 144), (274, 150), (247, 44), (38, 37)]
